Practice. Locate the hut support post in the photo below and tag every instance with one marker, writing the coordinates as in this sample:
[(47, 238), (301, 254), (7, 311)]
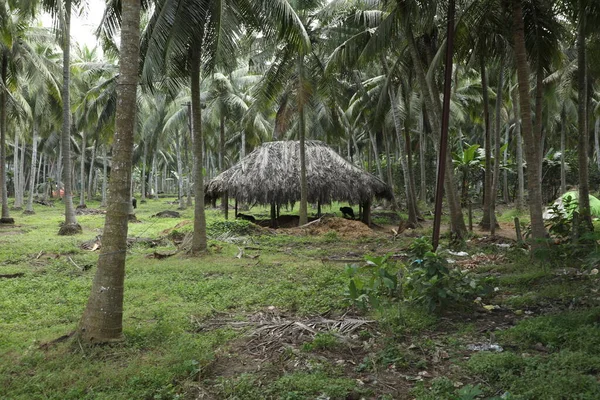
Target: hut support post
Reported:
[(225, 204), (273, 215), (366, 212)]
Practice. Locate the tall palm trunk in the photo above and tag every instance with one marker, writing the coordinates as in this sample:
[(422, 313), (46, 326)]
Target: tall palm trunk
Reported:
[(199, 242), (5, 219), (533, 161), (29, 206), (70, 226), (104, 175), (102, 319), (422, 166), (519, 156), (597, 141), (143, 180), (180, 195), (302, 128), (82, 170), (563, 170), (17, 176), (582, 145), (487, 186), (497, 143), (431, 97), (90, 186), (410, 205)]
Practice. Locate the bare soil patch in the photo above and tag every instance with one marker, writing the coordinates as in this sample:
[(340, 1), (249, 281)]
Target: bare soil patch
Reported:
[(346, 228)]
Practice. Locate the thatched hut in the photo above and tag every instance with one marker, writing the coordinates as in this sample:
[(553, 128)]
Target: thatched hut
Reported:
[(270, 175)]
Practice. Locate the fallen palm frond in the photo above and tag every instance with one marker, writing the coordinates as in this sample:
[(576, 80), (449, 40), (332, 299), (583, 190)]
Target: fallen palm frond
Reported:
[(271, 330)]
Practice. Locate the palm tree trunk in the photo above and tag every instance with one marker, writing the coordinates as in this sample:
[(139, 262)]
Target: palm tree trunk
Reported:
[(199, 241), (422, 166), (487, 185), (301, 126), (497, 143), (180, 195), (582, 145), (563, 170), (91, 191), (410, 205), (29, 207), (104, 175), (82, 170), (597, 141), (17, 175), (70, 226), (5, 219), (505, 196), (102, 320), (432, 101), (519, 151), (533, 165)]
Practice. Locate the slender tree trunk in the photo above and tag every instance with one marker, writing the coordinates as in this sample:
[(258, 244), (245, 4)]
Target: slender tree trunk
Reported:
[(505, 196), (597, 141), (410, 205), (18, 204), (519, 151), (487, 186), (199, 242), (582, 146), (538, 131), (29, 207), (373, 139), (155, 175), (533, 168), (102, 320), (432, 101), (180, 195), (222, 142), (5, 219), (302, 128), (104, 175), (497, 145), (243, 145), (563, 170), (70, 226), (422, 161), (91, 191), (82, 170)]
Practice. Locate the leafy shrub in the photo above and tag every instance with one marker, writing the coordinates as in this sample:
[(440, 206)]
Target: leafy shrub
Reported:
[(371, 282), (428, 280)]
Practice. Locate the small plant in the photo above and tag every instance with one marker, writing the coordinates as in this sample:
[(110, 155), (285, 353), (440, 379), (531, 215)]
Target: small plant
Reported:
[(428, 280), (371, 282), (322, 341)]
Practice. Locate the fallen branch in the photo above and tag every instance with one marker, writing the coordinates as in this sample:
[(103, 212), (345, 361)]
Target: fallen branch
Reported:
[(9, 276)]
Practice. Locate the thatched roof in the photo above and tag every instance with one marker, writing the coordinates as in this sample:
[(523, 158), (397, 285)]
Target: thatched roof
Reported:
[(271, 174)]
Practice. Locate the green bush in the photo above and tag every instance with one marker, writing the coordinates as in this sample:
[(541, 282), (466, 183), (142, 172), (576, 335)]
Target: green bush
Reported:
[(372, 282), (428, 280)]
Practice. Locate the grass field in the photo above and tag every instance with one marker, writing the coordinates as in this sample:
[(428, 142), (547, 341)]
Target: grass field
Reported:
[(265, 315)]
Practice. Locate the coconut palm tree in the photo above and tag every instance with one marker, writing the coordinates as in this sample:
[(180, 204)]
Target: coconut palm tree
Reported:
[(102, 319), (187, 38)]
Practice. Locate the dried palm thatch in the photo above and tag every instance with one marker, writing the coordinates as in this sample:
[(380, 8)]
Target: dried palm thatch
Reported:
[(271, 175)]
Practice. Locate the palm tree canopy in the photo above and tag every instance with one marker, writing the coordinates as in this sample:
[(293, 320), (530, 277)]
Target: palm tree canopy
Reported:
[(271, 174)]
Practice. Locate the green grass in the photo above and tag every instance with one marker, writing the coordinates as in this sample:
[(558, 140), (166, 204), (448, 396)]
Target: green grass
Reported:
[(167, 354)]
